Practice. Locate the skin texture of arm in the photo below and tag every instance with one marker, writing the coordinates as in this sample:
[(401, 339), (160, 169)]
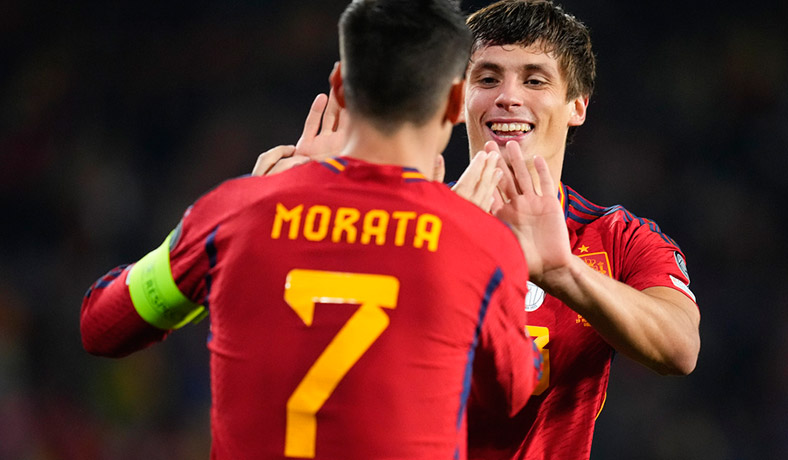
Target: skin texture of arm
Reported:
[(657, 327)]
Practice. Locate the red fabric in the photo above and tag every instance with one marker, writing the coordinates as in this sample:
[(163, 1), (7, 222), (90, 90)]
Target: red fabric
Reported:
[(559, 422), (405, 396)]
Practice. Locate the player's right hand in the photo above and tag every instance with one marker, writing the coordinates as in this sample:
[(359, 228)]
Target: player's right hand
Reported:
[(325, 128)]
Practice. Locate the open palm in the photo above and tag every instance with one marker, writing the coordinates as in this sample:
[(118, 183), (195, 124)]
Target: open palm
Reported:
[(530, 206)]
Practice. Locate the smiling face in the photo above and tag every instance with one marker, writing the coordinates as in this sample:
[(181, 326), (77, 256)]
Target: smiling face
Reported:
[(518, 93)]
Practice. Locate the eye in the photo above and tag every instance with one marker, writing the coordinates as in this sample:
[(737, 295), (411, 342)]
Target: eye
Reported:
[(534, 82), (487, 81)]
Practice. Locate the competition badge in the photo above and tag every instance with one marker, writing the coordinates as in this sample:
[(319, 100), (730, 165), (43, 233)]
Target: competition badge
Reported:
[(535, 297)]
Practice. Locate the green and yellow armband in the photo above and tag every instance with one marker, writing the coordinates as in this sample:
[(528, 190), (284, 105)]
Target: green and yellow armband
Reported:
[(155, 295)]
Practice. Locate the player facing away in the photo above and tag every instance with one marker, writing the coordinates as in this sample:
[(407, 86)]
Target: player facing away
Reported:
[(351, 301), (607, 279)]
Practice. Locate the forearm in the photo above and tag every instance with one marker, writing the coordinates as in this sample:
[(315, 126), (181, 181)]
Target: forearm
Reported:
[(657, 327), (129, 309), (110, 325)]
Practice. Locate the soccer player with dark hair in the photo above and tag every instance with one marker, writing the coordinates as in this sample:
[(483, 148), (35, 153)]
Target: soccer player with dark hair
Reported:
[(352, 301), (605, 279)]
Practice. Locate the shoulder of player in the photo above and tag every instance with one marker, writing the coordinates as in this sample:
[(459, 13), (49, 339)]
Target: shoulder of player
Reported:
[(617, 219)]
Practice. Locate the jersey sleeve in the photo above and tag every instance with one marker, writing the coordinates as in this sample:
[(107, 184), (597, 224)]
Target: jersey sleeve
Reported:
[(110, 324), (508, 363), (653, 259)]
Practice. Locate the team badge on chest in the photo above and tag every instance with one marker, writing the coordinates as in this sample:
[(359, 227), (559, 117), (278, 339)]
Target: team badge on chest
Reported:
[(598, 261)]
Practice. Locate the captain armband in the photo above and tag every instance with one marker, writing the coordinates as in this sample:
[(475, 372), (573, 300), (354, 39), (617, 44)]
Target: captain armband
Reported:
[(155, 295)]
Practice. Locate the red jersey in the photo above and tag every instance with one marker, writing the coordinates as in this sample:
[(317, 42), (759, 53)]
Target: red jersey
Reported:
[(558, 421), (336, 329)]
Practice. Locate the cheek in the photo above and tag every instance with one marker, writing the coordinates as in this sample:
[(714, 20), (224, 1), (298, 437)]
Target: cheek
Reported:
[(476, 101)]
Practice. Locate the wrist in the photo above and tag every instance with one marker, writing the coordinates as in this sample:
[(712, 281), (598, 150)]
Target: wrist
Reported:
[(562, 281)]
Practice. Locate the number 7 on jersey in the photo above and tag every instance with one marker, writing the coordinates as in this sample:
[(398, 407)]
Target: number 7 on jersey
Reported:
[(303, 290)]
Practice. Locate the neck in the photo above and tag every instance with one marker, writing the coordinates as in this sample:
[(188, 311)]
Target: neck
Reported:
[(556, 164), (410, 146)]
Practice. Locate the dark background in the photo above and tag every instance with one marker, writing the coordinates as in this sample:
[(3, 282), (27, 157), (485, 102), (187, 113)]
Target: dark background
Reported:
[(115, 116)]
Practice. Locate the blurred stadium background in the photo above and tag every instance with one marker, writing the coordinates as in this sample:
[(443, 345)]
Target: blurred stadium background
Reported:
[(115, 116)]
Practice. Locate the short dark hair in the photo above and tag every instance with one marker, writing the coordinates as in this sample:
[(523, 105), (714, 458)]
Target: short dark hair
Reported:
[(528, 22), (399, 58)]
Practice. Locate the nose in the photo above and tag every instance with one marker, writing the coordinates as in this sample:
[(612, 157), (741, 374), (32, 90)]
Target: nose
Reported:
[(509, 95)]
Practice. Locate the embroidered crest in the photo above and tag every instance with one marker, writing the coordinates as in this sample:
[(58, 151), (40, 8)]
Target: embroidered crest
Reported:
[(598, 261), (535, 297)]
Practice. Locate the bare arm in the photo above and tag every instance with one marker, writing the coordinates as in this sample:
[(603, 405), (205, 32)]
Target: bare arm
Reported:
[(657, 327)]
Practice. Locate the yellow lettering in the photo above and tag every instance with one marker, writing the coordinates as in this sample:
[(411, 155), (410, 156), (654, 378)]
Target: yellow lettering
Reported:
[(321, 214), (428, 228), (343, 225), (345, 222), (293, 216), (402, 217), (376, 221)]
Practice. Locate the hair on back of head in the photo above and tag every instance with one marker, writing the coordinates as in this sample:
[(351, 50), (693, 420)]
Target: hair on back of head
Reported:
[(399, 58)]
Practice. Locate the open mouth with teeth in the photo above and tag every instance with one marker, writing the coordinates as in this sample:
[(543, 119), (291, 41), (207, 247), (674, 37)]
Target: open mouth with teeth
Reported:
[(510, 129)]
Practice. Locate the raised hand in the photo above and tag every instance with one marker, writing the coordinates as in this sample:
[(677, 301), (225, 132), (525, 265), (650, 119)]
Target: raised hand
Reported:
[(531, 207), (323, 136), (277, 159), (478, 182), (325, 129)]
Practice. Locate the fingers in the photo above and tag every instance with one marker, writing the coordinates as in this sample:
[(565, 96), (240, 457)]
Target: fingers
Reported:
[(533, 175), (487, 185), (526, 178), (312, 123), (267, 159), (478, 183), (545, 178), (286, 163), (331, 114), (325, 128), (508, 186)]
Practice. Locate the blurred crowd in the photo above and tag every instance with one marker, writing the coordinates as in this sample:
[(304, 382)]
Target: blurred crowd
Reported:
[(115, 116)]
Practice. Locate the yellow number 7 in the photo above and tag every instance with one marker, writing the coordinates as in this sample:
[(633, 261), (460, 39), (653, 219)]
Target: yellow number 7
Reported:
[(303, 290)]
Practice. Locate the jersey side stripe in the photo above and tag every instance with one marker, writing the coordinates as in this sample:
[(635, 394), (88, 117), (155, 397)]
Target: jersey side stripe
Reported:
[(492, 285)]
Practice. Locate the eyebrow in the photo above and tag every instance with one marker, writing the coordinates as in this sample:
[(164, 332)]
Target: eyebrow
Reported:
[(488, 65)]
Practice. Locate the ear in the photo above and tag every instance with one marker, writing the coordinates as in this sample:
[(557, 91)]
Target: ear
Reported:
[(579, 106), (455, 107), (337, 84), (461, 118)]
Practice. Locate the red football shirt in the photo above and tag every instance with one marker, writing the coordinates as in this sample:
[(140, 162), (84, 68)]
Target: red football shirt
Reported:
[(337, 330), (558, 421)]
